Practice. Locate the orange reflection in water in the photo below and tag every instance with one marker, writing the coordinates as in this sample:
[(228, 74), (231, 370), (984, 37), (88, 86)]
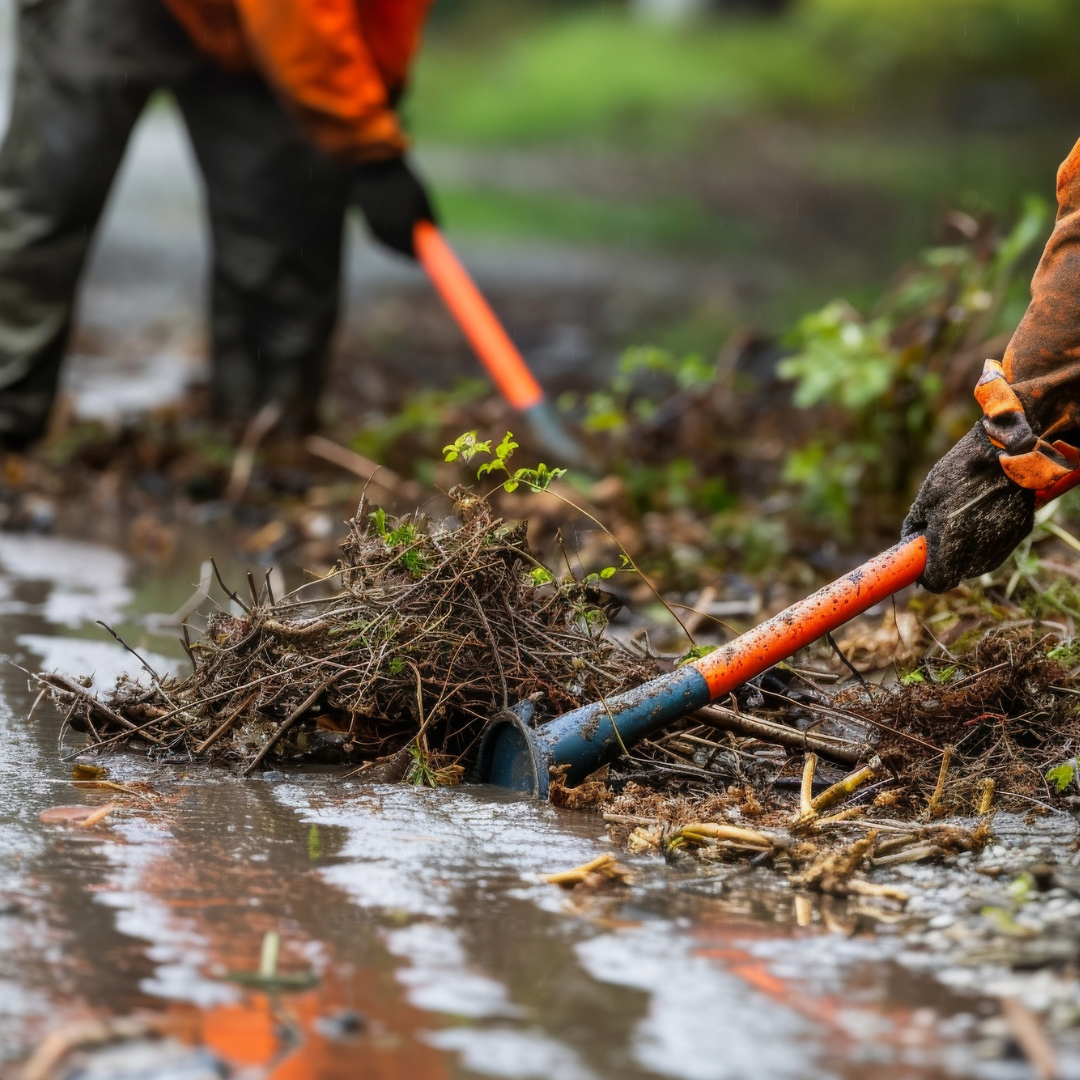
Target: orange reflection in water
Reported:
[(292, 1036), (727, 941), (354, 1022)]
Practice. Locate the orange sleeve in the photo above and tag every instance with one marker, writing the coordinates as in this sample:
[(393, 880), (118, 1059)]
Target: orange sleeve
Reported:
[(392, 30), (333, 62), (1031, 400)]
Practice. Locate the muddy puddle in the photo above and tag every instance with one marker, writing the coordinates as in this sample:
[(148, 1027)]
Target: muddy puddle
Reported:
[(416, 937)]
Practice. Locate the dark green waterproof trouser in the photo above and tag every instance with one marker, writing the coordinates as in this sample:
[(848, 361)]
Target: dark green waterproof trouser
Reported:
[(85, 71)]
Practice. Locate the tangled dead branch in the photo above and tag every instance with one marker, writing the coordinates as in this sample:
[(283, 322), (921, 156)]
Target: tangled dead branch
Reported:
[(998, 713), (432, 629), (425, 630)]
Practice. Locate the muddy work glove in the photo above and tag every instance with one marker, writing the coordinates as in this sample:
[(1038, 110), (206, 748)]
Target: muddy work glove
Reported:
[(393, 200), (971, 513)]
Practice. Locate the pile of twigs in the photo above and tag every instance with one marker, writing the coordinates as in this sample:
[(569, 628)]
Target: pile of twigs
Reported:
[(430, 629), (1002, 714)]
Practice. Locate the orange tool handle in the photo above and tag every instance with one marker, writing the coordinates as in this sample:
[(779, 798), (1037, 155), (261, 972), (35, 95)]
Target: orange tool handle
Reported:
[(517, 755), (805, 621), (479, 323)]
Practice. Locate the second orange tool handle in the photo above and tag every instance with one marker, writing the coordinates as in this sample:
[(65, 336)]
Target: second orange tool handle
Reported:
[(479, 323)]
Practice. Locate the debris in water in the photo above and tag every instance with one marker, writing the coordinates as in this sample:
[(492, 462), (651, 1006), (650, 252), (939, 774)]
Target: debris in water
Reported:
[(602, 871), (85, 817), (85, 771)]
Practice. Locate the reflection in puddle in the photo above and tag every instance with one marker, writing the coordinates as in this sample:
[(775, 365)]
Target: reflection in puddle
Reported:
[(675, 1038), (438, 976), (103, 660), (86, 582), (522, 1055)]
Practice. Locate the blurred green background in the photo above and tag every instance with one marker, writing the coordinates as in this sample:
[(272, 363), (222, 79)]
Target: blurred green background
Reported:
[(819, 139)]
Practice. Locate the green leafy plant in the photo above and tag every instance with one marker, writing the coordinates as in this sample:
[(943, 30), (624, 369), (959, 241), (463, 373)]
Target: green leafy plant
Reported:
[(881, 377), (404, 536), (539, 479), (466, 447), (424, 772), (695, 652), (609, 571)]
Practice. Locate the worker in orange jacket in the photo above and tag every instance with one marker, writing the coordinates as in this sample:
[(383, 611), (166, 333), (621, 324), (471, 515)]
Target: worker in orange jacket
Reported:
[(978, 502), (339, 66), (290, 108)]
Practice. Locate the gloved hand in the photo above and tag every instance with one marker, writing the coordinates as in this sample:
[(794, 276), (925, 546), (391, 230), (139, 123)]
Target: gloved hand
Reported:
[(972, 514), (393, 200)]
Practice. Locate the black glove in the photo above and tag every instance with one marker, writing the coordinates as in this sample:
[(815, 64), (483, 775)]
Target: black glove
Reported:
[(393, 201), (973, 515)]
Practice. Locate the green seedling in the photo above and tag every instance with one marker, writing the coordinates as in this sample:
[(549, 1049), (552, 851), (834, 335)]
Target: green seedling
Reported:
[(467, 446), (695, 652)]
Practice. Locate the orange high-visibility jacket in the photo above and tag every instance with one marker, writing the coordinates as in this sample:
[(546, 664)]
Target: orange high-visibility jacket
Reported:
[(1031, 399), (334, 62)]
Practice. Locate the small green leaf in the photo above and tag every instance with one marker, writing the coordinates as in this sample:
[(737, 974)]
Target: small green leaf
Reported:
[(466, 447), (379, 518), (506, 447), (608, 571), (540, 575), (912, 678), (491, 466), (1061, 776)]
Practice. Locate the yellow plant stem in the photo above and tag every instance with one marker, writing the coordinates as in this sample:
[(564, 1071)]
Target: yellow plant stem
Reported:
[(843, 788), (806, 803), (933, 806)]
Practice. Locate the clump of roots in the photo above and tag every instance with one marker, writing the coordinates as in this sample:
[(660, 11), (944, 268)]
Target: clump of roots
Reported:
[(423, 632)]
